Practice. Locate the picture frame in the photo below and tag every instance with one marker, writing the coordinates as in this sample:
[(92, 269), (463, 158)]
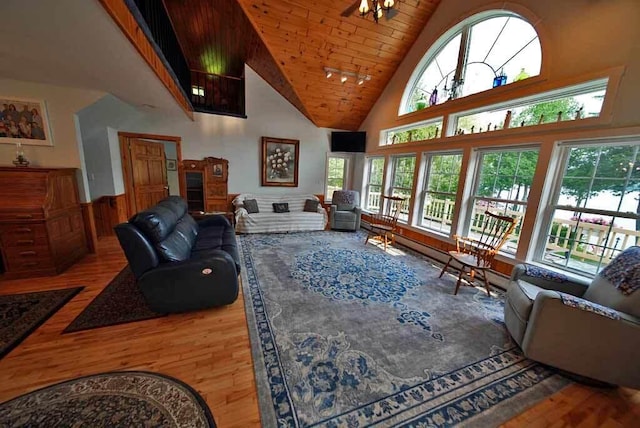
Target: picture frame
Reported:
[(280, 162), (172, 165), (217, 169), (24, 121)]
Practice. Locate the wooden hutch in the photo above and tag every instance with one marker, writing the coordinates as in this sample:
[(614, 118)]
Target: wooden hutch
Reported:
[(41, 227), (205, 185)]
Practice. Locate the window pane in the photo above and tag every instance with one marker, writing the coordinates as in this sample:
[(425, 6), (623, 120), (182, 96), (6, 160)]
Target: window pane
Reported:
[(335, 175), (534, 113), (374, 185), (421, 132), (507, 175), (439, 71), (402, 181), (441, 187), (503, 44), (600, 179), (376, 170)]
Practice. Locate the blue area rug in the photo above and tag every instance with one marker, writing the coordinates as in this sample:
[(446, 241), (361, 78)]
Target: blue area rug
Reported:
[(345, 334)]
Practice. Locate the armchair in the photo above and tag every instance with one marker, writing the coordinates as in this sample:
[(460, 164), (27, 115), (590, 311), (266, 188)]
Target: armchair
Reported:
[(589, 329), (345, 212)]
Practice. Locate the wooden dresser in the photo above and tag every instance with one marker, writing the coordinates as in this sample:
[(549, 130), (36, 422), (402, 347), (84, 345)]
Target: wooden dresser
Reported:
[(41, 226)]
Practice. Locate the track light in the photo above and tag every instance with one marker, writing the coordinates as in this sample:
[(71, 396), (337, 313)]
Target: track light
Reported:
[(345, 75)]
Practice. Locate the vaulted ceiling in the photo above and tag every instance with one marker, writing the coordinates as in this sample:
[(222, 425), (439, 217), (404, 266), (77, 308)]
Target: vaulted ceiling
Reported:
[(289, 42)]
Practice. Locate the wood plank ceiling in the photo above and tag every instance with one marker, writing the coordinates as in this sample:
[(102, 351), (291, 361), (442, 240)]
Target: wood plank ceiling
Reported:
[(289, 42)]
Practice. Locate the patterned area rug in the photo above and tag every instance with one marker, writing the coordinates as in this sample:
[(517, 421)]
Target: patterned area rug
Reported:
[(120, 302), (21, 314), (345, 334), (124, 399)]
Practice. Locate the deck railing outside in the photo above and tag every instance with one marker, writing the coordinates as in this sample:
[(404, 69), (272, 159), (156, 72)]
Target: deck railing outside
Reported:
[(580, 240)]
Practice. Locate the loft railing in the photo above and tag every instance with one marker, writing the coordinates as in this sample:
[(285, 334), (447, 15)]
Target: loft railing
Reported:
[(212, 93), (155, 23)]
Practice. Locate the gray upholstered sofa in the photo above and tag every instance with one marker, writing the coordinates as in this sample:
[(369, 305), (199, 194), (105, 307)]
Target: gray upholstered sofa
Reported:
[(589, 329), (180, 264)]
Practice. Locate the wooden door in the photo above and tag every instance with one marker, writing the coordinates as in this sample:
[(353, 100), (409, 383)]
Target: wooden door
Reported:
[(149, 169)]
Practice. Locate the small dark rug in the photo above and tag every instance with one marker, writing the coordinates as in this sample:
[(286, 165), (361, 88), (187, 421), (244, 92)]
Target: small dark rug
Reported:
[(120, 302), (21, 314), (124, 399)]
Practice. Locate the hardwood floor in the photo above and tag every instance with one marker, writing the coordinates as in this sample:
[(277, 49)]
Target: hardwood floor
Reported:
[(210, 351)]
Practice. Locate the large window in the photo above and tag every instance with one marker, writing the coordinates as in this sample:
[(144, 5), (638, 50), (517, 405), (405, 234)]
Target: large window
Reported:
[(596, 208), (487, 50), (373, 184), (337, 173), (402, 181), (439, 192), (502, 186)]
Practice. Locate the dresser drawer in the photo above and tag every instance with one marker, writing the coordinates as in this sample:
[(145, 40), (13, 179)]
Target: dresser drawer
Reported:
[(23, 235), (21, 216), (36, 257)]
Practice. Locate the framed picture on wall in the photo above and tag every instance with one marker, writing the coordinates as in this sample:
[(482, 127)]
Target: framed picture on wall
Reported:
[(172, 165), (280, 162), (24, 121)]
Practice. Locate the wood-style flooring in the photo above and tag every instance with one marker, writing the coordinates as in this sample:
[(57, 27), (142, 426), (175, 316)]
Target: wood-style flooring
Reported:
[(210, 351)]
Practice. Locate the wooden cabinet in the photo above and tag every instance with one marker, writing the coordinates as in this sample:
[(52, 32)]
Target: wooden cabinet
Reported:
[(41, 225), (205, 184)]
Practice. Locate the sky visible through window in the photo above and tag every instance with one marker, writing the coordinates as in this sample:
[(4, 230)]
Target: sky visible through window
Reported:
[(500, 45)]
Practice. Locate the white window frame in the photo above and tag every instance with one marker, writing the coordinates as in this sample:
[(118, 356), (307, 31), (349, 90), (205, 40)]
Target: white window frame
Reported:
[(393, 165), (443, 40), (416, 125), (346, 173), (476, 182), (564, 150), (426, 159), (366, 188), (567, 91)]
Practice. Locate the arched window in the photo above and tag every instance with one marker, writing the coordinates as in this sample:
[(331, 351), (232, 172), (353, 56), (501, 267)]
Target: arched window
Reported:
[(486, 50)]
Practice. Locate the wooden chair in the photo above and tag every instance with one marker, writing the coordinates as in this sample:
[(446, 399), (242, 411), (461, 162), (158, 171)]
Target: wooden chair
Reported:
[(477, 254), (384, 223)]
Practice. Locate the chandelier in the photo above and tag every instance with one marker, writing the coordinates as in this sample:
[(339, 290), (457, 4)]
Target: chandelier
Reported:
[(378, 7)]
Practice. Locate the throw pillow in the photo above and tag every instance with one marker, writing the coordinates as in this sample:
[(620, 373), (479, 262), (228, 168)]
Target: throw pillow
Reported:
[(251, 205), (281, 207), (311, 205)]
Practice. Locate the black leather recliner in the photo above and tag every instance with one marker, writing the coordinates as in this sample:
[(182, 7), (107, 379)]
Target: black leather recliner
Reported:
[(180, 264)]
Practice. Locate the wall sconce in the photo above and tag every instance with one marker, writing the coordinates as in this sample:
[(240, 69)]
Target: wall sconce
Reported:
[(344, 75)]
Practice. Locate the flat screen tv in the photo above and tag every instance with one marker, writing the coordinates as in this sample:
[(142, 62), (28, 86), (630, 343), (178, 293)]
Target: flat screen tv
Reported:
[(348, 141)]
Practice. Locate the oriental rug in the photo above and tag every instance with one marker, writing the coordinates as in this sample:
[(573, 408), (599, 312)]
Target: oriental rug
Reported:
[(21, 314), (123, 399), (120, 302), (345, 334)]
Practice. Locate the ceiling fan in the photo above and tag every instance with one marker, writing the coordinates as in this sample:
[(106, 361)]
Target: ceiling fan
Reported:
[(378, 9)]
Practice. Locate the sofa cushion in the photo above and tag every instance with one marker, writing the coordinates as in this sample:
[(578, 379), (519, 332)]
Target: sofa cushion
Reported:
[(280, 207), (251, 205), (311, 205), (175, 248)]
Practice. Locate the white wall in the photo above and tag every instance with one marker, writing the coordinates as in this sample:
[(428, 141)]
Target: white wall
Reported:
[(235, 139), (62, 104)]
